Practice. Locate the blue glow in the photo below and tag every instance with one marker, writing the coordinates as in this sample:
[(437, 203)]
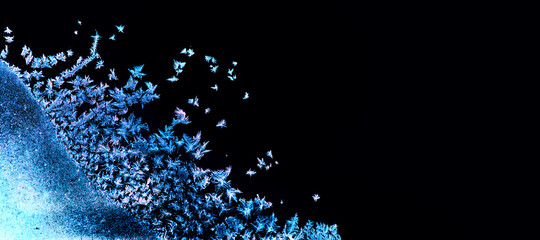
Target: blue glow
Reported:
[(153, 175)]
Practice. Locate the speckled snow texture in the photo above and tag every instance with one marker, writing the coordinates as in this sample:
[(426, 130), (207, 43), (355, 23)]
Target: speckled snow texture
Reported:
[(42, 194)]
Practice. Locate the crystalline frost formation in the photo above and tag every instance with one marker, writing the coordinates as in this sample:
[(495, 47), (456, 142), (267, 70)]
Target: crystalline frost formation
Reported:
[(154, 175)]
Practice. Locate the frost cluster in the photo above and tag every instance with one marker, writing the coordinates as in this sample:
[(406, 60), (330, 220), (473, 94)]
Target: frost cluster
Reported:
[(153, 174)]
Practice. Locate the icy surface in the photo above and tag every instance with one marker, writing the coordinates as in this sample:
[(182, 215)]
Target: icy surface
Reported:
[(43, 194), (153, 175)]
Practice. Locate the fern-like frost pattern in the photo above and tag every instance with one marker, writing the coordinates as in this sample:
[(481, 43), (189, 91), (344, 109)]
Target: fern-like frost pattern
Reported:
[(152, 174)]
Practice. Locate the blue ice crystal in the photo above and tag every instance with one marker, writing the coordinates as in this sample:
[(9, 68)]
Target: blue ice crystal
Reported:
[(152, 174)]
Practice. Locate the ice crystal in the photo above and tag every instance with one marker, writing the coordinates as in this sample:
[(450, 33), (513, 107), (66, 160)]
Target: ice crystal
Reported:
[(152, 174)]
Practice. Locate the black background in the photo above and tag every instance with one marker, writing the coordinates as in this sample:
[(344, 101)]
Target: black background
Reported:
[(399, 115)]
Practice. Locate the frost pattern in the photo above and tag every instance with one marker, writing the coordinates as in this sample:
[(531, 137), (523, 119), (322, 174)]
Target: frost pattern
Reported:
[(153, 174)]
